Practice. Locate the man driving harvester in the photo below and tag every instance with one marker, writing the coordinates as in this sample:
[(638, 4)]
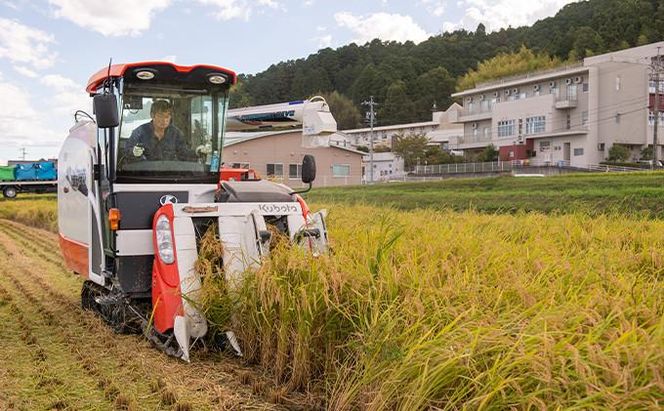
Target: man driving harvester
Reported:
[(159, 139)]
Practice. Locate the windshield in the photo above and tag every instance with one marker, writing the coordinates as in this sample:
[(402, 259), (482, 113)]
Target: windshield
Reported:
[(170, 134)]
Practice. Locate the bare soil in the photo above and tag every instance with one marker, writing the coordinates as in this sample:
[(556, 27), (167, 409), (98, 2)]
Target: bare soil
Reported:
[(55, 355)]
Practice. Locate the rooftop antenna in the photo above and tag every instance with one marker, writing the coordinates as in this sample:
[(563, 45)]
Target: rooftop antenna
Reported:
[(23, 152)]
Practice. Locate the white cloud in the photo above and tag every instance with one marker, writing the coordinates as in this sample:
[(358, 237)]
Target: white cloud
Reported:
[(435, 7), (323, 41), (20, 123), (110, 18), (270, 3), (25, 45), (496, 14), (238, 9), (68, 96), (383, 26), (24, 71), (41, 128)]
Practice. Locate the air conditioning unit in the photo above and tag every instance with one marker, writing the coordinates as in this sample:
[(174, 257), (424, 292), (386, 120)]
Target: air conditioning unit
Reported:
[(496, 94), (507, 92), (474, 125), (515, 91), (568, 81), (552, 84), (469, 99), (519, 139), (481, 97), (536, 87), (578, 79)]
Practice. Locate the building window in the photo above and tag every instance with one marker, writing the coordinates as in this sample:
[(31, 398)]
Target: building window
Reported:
[(545, 146), (275, 170), (578, 151), (571, 92), (240, 165), (585, 87), (584, 118), (535, 124), (651, 118), (555, 91), (618, 83), (487, 133), (295, 171), (340, 170), (600, 147), (505, 128)]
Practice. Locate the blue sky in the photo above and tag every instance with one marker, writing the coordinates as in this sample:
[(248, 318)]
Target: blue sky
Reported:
[(49, 48)]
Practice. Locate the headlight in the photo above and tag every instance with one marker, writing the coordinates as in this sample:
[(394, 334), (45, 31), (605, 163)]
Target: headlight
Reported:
[(165, 240)]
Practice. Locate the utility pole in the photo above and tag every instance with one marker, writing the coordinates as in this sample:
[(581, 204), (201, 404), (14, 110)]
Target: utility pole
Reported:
[(372, 115), (656, 68), (23, 152)]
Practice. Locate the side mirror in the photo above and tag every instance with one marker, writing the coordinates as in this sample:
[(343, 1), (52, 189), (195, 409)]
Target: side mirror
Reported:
[(106, 110), (308, 169)]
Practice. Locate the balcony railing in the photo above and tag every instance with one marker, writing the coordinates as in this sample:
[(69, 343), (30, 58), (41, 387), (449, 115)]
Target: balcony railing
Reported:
[(476, 110), (472, 139), (567, 101)]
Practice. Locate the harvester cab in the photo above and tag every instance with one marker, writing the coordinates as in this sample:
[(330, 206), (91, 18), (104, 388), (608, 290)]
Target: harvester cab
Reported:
[(140, 186)]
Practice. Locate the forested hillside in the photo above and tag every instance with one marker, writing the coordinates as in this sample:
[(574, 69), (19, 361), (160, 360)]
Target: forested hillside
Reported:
[(406, 79)]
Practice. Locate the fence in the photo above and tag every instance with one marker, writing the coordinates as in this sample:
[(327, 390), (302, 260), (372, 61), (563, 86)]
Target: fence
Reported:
[(506, 166), (464, 168)]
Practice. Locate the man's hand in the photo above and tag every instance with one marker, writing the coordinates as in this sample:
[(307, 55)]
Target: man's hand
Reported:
[(204, 149), (138, 151)]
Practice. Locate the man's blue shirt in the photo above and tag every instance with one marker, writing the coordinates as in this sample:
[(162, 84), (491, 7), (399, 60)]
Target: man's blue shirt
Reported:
[(171, 147)]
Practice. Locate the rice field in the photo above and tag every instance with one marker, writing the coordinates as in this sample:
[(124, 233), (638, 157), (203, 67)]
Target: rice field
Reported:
[(451, 310), (413, 309)]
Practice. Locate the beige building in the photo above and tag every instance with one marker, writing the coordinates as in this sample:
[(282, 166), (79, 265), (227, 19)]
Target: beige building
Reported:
[(570, 115), (278, 156), (442, 129)]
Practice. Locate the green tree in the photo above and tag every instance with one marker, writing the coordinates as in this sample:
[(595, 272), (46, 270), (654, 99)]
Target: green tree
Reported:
[(588, 42), (490, 153), (434, 86), (508, 64), (239, 95), (646, 153), (618, 153), (348, 116), (410, 147), (435, 155), (398, 107)]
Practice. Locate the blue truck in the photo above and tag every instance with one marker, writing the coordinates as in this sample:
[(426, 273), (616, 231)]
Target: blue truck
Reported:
[(35, 177)]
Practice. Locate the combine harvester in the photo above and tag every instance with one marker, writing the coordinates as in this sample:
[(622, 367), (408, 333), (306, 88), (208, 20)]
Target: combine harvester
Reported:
[(131, 224)]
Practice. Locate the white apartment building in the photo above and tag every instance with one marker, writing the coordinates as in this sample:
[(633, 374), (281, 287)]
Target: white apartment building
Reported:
[(441, 130), (570, 115)]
